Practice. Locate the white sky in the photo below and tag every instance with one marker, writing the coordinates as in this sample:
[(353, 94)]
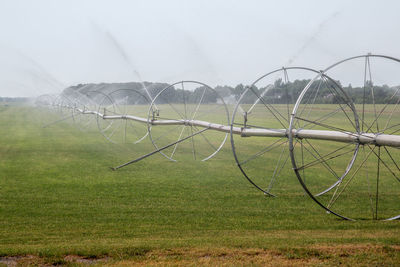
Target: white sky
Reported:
[(48, 45)]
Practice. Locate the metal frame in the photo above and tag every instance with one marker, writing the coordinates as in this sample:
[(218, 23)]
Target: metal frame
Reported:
[(117, 110), (361, 138), (184, 120), (282, 132), (291, 132)]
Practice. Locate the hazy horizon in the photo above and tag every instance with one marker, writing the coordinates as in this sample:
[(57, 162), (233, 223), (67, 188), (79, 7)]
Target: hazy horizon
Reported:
[(46, 46)]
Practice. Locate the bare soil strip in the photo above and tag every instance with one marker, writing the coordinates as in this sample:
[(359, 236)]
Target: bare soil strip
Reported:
[(347, 255)]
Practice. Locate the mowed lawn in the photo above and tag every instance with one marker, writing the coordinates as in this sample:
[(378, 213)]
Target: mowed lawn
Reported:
[(60, 203)]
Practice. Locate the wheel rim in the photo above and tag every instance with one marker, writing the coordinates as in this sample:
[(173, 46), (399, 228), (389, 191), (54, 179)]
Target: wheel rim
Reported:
[(269, 103), (192, 101), (370, 188)]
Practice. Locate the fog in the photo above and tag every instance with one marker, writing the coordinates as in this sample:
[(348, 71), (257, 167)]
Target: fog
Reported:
[(46, 46)]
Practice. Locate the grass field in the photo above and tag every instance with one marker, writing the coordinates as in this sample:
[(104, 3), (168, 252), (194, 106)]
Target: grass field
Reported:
[(61, 204)]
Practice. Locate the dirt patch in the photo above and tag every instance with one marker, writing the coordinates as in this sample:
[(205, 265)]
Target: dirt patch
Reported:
[(327, 255), (28, 260), (13, 261), (84, 260), (347, 255)]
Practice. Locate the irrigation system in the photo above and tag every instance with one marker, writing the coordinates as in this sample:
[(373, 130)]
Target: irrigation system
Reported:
[(340, 152)]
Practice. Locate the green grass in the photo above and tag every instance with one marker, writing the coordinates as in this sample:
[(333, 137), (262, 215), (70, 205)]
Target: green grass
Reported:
[(58, 197)]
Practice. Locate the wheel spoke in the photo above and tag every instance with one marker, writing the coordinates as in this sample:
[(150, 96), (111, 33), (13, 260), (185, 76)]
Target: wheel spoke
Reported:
[(166, 132), (322, 118), (269, 87), (323, 158), (193, 146), (373, 95), (345, 100), (115, 130), (390, 155), (265, 150), (271, 107), (198, 105), (336, 195), (383, 109), (173, 107), (387, 167), (133, 127), (184, 100), (364, 93), (377, 183), (286, 78), (324, 163), (308, 100), (395, 132), (206, 139), (390, 117), (302, 159), (176, 145), (202, 114), (371, 201), (276, 171)]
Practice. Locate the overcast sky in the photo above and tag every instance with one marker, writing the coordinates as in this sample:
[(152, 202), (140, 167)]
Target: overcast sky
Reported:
[(48, 45)]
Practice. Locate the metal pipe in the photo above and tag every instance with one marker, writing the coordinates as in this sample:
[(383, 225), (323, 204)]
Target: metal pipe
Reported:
[(336, 136)]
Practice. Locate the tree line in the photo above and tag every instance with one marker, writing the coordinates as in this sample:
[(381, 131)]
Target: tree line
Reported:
[(279, 92)]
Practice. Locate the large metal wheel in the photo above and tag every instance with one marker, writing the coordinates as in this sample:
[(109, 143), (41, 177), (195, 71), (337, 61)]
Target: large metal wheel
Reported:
[(85, 104), (124, 102), (106, 107), (180, 104), (371, 186), (64, 107), (44, 101), (266, 104)]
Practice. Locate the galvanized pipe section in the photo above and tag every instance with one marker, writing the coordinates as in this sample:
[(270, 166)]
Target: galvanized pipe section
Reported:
[(336, 136)]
